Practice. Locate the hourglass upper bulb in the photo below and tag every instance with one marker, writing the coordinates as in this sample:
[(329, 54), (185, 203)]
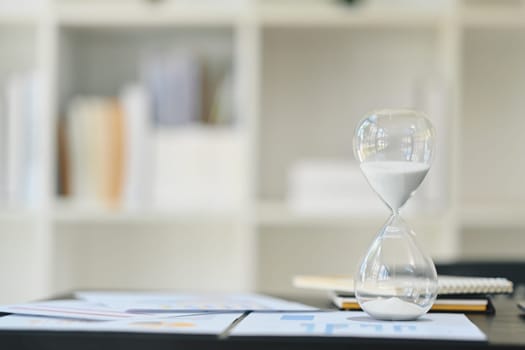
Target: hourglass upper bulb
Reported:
[(394, 148)]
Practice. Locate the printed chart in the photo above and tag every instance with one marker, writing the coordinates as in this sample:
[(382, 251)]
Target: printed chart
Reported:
[(209, 323), (358, 324)]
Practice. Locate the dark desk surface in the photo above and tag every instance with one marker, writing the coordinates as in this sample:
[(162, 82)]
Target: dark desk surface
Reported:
[(505, 329)]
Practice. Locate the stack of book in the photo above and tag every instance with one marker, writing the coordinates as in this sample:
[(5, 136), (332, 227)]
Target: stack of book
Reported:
[(456, 294), (144, 147)]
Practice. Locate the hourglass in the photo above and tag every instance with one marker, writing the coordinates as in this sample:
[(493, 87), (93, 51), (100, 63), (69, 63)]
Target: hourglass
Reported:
[(396, 280)]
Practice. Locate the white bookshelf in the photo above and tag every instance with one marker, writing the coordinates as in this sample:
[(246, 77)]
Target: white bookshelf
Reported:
[(284, 55), (66, 212)]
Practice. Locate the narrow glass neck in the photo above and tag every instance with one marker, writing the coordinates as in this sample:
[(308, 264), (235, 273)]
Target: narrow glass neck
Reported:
[(396, 221)]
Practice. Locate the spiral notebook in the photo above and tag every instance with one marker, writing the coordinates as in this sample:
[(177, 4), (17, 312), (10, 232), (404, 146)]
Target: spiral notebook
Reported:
[(447, 284), (456, 294)]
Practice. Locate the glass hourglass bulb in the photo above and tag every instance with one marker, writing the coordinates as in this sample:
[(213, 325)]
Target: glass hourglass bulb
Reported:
[(396, 280)]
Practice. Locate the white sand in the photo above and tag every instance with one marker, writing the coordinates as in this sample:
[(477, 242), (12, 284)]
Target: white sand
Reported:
[(393, 309), (395, 181)]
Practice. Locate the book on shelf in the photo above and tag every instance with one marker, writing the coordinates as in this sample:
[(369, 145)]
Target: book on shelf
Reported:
[(138, 162), (111, 157), (175, 84), (96, 148), (222, 109), (20, 139), (456, 293)]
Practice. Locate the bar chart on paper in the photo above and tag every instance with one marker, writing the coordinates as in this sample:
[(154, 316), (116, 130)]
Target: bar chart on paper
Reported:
[(358, 324)]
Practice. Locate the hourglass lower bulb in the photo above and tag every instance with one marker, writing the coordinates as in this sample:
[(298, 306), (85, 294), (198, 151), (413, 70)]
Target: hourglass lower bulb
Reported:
[(396, 280)]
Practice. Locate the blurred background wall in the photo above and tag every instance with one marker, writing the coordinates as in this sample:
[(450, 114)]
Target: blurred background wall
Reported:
[(207, 145)]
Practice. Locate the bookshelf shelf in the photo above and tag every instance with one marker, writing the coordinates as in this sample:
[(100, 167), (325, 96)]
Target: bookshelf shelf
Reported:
[(146, 14), (279, 214), (89, 217), (144, 19), (8, 216), (336, 15), (68, 214)]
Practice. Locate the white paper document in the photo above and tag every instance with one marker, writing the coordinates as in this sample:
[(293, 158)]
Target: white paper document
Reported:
[(208, 323), (76, 309), (358, 324), (25, 322), (136, 302)]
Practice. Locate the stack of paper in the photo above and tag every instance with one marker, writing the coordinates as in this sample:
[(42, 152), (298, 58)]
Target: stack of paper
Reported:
[(198, 169), (141, 312), (222, 315)]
